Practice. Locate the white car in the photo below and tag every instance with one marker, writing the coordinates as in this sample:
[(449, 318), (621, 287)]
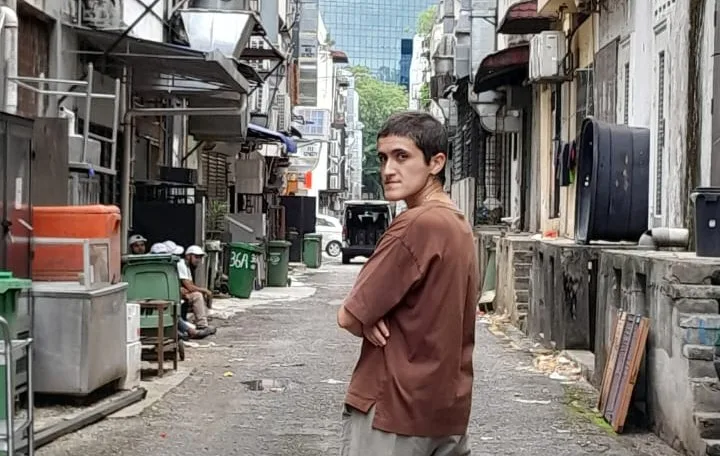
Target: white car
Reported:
[(331, 230)]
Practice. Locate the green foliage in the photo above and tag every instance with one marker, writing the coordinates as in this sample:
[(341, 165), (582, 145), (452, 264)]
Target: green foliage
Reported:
[(426, 20), (425, 96), (378, 100)]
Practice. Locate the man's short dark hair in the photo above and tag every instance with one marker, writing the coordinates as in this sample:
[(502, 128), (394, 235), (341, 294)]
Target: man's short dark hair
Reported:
[(428, 134)]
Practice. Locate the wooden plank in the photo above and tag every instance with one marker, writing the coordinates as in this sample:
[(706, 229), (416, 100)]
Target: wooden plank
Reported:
[(630, 378), (622, 368), (610, 364), (624, 351)]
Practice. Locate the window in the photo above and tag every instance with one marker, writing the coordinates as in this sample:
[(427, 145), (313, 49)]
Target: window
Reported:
[(322, 222), (316, 122), (660, 138), (626, 94)]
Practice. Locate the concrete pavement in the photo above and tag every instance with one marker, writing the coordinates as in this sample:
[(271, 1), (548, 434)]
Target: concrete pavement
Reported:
[(274, 380)]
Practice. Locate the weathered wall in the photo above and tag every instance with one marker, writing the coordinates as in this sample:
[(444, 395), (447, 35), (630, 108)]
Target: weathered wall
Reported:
[(563, 290), (677, 384), (583, 48), (670, 27), (513, 277), (542, 135)]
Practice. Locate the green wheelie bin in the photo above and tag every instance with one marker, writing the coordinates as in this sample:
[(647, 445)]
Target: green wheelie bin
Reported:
[(278, 263), (10, 289), (312, 250), (242, 269), (18, 322)]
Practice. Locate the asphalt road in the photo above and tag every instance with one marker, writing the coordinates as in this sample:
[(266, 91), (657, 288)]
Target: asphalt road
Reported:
[(303, 361)]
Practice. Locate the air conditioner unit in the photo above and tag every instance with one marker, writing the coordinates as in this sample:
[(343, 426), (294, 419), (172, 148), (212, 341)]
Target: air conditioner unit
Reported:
[(250, 176), (547, 54)]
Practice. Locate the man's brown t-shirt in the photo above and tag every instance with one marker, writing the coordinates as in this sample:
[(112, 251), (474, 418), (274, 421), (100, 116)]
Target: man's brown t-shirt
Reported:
[(423, 278)]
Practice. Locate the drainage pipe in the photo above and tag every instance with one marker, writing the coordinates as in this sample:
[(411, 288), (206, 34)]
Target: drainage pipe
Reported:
[(665, 237), (129, 149), (9, 26)]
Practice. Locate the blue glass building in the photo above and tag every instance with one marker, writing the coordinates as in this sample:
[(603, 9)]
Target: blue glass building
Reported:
[(406, 52), (371, 32)]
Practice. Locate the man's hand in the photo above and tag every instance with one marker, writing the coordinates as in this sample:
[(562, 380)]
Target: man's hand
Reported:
[(377, 334)]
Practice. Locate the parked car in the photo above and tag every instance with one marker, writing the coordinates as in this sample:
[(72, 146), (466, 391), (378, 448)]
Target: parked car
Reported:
[(364, 223), (331, 230)]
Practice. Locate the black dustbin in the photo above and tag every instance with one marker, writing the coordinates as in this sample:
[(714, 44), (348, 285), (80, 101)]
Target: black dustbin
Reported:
[(707, 221)]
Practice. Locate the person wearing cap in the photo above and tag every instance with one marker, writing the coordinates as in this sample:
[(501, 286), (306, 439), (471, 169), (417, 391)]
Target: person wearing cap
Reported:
[(136, 244), (196, 297)]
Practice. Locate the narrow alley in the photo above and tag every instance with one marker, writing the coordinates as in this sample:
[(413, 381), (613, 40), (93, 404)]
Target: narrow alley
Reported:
[(304, 361)]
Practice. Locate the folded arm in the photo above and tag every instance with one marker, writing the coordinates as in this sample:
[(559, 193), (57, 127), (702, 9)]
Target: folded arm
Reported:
[(382, 283), (347, 321)]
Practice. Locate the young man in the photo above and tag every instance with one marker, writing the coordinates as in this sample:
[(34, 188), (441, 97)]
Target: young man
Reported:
[(414, 305), (136, 244), (196, 297)]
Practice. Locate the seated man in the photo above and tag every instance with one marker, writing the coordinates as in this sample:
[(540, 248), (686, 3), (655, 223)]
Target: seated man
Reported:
[(136, 244), (194, 295)]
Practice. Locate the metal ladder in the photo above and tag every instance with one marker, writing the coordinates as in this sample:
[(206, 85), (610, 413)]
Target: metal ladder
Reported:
[(11, 432)]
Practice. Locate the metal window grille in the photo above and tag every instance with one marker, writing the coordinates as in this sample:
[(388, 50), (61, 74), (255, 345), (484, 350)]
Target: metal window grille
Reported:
[(660, 142)]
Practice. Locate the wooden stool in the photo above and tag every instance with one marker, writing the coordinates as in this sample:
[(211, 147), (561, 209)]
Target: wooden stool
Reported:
[(160, 343)]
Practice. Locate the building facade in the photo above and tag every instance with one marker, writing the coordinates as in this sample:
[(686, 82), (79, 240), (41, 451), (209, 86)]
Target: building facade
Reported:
[(371, 31)]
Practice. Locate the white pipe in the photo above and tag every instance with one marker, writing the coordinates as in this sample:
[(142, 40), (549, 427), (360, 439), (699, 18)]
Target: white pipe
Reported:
[(665, 237), (10, 56)]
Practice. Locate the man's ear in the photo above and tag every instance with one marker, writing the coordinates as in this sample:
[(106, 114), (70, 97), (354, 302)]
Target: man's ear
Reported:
[(437, 163)]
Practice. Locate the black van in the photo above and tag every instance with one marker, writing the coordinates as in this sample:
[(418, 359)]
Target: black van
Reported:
[(364, 222)]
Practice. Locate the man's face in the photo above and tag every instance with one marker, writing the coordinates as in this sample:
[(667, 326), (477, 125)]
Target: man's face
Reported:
[(403, 167), (138, 248), (194, 260)]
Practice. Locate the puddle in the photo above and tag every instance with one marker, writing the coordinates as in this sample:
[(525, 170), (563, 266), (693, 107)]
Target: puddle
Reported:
[(271, 385)]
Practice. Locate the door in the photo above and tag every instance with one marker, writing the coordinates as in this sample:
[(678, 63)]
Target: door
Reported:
[(16, 140)]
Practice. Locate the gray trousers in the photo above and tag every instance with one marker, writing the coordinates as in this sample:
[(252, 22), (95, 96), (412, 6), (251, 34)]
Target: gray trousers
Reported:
[(360, 439)]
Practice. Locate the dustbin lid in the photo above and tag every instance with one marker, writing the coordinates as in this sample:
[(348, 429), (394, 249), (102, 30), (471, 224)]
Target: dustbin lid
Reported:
[(714, 191), (8, 282), (248, 247), (279, 243), (149, 258)]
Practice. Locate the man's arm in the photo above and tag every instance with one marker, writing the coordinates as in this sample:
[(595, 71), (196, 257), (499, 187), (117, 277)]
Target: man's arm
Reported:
[(190, 286), (382, 283), (347, 321)]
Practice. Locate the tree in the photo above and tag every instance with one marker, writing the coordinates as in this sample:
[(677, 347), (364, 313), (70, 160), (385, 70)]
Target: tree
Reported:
[(425, 99), (425, 21), (378, 100)]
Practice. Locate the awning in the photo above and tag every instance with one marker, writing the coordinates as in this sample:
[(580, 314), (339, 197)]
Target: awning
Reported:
[(167, 66), (506, 67), (257, 131), (523, 18)]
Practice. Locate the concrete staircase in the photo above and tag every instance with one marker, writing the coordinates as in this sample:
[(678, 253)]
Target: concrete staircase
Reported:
[(698, 323), (522, 265)]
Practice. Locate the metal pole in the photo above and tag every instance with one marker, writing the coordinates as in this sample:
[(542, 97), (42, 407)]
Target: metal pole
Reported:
[(126, 160), (88, 108), (116, 118), (40, 96), (715, 150)]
